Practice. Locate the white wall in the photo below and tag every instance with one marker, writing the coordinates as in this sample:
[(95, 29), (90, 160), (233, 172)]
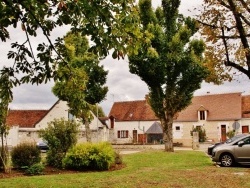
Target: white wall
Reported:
[(60, 110)]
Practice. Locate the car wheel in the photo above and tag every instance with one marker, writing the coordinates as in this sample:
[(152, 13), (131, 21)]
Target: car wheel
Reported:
[(226, 160)]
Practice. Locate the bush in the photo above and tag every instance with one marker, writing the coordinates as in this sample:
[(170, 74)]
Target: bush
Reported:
[(60, 135), (230, 133), (35, 169), (90, 156), (118, 158), (25, 155)]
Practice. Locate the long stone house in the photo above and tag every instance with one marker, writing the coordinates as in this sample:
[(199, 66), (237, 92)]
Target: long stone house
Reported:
[(135, 122), (25, 124)]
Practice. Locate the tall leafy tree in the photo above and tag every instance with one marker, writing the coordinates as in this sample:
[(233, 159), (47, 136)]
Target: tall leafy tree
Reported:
[(81, 84), (226, 27), (109, 24), (5, 99), (168, 62)]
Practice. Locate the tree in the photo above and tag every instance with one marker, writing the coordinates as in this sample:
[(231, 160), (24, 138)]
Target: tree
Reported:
[(98, 111), (5, 99), (169, 63), (225, 25), (60, 135), (81, 84), (108, 24)]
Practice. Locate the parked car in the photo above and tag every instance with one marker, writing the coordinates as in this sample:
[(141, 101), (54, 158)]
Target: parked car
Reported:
[(211, 147), (234, 150), (42, 145)]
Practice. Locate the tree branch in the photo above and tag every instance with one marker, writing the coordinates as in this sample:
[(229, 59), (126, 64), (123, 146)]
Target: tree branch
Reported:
[(44, 32), (238, 67), (231, 37), (245, 5)]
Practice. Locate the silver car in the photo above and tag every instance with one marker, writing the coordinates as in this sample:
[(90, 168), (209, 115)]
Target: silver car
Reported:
[(234, 150)]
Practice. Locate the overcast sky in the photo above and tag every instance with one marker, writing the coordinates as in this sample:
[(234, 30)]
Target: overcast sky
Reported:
[(123, 86)]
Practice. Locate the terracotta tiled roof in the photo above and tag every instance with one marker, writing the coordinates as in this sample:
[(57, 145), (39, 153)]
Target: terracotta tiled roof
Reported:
[(132, 111), (246, 106), (25, 118), (219, 107)]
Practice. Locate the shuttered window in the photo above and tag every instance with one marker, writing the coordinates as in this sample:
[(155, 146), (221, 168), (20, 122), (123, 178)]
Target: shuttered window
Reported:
[(122, 134)]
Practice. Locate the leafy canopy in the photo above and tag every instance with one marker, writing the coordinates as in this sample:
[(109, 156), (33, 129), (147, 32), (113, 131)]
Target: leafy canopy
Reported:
[(169, 62), (225, 25), (109, 24), (81, 83)]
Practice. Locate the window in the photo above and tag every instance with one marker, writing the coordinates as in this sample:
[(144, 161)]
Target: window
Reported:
[(247, 140), (177, 128), (122, 134), (202, 115)]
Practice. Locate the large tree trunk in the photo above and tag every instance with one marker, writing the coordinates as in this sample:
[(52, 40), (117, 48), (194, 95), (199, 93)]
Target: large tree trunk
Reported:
[(167, 125), (87, 131)]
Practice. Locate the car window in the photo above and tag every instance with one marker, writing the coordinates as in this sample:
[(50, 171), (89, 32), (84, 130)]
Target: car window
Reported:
[(234, 138), (246, 140)]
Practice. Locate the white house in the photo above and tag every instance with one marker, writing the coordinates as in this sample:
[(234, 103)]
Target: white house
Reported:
[(26, 123), (131, 121)]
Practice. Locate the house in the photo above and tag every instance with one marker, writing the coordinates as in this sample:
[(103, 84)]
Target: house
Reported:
[(25, 124), (135, 122)]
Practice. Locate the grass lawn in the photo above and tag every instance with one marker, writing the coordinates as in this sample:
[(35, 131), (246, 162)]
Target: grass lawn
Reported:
[(147, 169)]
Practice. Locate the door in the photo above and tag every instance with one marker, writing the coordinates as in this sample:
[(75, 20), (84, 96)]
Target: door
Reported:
[(134, 136), (223, 133), (142, 138), (242, 151), (245, 129)]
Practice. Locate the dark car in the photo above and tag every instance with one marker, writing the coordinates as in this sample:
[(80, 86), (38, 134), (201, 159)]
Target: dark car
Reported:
[(42, 146), (234, 150)]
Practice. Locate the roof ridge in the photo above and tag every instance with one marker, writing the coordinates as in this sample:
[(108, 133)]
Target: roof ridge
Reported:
[(223, 93), (130, 101)]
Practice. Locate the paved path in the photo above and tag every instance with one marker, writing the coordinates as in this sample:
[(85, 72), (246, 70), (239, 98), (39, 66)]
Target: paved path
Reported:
[(129, 149)]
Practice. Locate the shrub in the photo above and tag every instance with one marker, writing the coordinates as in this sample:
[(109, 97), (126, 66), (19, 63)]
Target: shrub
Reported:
[(25, 155), (90, 156), (35, 169), (118, 158), (230, 133), (60, 135), (201, 132)]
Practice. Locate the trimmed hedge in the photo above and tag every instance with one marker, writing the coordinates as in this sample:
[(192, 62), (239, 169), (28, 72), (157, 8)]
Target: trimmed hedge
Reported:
[(90, 156)]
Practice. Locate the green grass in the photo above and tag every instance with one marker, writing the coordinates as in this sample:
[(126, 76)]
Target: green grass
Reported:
[(147, 169)]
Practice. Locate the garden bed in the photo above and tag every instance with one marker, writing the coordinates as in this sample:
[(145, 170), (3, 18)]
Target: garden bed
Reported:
[(51, 171)]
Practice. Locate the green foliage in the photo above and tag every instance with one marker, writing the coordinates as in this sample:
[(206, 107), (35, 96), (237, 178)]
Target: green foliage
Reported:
[(118, 158), (201, 133), (109, 25), (170, 62), (81, 84), (25, 155), (35, 169), (230, 133), (5, 98), (60, 135), (90, 156)]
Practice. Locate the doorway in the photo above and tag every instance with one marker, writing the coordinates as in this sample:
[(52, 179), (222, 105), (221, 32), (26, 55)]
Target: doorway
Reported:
[(223, 133), (134, 136)]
